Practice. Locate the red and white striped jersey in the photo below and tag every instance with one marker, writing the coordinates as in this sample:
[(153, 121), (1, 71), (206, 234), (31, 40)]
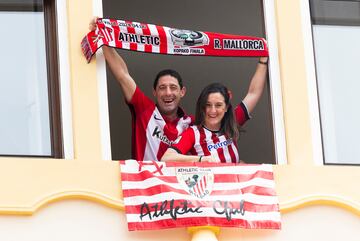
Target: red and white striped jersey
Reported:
[(152, 133), (203, 142)]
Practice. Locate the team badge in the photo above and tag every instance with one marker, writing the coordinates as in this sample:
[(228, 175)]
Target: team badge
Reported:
[(197, 181), (186, 38)]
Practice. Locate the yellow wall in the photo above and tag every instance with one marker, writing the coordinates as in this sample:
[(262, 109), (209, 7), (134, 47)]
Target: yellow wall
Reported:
[(28, 184), (301, 182)]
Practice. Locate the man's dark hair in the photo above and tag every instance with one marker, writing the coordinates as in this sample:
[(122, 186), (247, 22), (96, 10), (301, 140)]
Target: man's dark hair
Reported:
[(170, 72)]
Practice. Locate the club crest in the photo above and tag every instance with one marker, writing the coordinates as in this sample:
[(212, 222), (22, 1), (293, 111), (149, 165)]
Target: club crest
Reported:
[(197, 181), (188, 38)]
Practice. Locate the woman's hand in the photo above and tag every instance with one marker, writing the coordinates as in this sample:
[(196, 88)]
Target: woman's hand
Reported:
[(208, 159), (264, 59)]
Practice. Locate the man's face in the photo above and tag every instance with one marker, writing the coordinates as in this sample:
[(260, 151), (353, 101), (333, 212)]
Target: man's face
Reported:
[(168, 94)]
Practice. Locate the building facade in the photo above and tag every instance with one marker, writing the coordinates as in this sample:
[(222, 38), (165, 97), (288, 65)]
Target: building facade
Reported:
[(58, 180)]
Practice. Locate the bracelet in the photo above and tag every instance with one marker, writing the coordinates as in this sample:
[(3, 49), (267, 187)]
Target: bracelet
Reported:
[(200, 158), (261, 62)]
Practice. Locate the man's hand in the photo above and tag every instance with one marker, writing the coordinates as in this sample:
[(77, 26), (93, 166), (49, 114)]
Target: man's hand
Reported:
[(117, 66), (92, 24)]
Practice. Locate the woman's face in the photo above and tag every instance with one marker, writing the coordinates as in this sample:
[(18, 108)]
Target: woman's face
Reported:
[(214, 111)]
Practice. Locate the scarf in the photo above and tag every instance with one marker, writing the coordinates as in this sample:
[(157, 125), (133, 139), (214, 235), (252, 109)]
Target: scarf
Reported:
[(152, 38)]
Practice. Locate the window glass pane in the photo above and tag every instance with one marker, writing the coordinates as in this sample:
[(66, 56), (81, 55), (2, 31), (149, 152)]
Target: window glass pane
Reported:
[(336, 56), (21, 5), (346, 13), (24, 107)]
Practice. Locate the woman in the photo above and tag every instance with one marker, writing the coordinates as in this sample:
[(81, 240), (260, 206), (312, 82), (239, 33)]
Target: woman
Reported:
[(214, 134)]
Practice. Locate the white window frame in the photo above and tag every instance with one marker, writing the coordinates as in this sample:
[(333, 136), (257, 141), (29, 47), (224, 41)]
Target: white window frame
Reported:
[(275, 87), (64, 79), (103, 93), (275, 83), (314, 110)]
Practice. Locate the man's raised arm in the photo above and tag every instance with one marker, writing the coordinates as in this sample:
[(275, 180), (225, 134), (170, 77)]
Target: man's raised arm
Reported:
[(118, 67)]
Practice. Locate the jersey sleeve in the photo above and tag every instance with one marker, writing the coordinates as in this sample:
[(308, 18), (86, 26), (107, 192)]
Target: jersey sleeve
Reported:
[(241, 114), (139, 101), (184, 142)]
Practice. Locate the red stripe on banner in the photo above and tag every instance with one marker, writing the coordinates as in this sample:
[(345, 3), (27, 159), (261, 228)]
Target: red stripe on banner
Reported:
[(163, 39), (142, 176), (196, 190), (248, 206), (203, 184), (163, 188), (242, 177), (226, 178), (251, 189), (156, 189), (201, 221), (259, 190), (199, 185)]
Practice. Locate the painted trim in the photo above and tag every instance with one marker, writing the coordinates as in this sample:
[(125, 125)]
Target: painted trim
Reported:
[(325, 199), (285, 207), (64, 77), (103, 93), (213, 229), (66, 195), (311, 84), (275, 83)]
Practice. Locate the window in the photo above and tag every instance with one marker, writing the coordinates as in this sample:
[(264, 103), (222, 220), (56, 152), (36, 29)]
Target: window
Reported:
[(29, 92), (237, 17), (336, 33)]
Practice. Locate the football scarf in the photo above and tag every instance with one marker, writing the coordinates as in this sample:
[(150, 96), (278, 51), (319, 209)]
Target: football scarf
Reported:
[(152, 38)]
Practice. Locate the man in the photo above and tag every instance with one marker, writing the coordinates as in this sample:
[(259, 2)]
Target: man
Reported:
[(156, 126)]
